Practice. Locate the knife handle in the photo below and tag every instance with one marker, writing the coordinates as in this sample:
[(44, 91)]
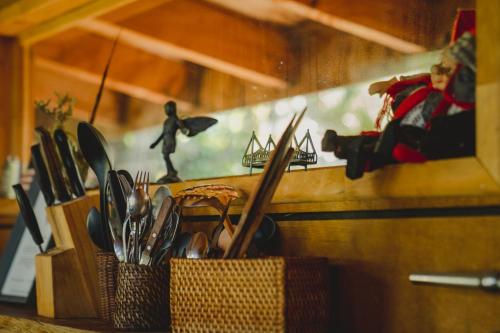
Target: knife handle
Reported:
[(61, 140), (117, 194), (28, 215), (53, 164), (42, 175), (163, 215)]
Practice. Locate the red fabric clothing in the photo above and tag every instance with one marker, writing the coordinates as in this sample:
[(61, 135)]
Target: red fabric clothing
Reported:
[(403, 153), (464, 21), (399, 86)]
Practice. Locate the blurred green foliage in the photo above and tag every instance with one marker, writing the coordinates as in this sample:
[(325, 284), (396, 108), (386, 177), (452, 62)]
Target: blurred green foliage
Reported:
[(218, 151)]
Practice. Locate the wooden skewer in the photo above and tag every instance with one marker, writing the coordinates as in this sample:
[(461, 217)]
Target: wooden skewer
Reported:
[(254, 210)]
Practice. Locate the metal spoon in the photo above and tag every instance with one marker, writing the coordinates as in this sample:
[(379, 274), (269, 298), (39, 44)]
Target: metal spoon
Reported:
[(198, 246), (138, 206), (161, 193), (180, 245)]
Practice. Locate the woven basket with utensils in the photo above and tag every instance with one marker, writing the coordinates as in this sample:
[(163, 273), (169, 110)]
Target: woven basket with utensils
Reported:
[(107, 271), (249, 295), (142, 297)]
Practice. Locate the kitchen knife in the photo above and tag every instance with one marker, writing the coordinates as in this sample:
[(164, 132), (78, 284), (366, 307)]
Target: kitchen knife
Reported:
[(53, 164), (42, 175), (75, 180), (28, 215), (163, 216)]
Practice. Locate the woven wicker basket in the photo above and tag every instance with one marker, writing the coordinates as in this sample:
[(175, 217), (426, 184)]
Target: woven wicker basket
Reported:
[(142, 298), (249, 295), (107, 270)]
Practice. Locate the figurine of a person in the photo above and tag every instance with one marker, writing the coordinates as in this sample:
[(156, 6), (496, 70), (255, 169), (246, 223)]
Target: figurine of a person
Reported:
[(189, 127)]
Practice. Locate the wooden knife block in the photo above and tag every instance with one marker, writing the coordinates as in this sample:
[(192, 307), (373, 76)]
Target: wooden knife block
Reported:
[(61, 288), (75, 257)]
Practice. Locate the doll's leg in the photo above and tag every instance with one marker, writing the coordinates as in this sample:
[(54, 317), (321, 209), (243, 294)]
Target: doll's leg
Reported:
[(357, 150)]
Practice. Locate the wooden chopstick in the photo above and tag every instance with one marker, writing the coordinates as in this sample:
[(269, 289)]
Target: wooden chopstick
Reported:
[(253, 212), (260, 210)]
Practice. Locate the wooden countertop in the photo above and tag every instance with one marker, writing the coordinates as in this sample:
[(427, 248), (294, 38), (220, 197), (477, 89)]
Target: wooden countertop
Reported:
[(23, 318)]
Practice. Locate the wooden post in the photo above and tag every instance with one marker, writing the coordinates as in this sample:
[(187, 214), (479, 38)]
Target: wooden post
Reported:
[(488, 86), (17, 116)]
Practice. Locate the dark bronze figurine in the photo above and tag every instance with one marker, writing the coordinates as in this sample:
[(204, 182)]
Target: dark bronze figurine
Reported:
[(189, 127)]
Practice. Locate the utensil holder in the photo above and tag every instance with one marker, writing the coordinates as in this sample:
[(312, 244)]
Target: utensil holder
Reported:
[(142, 297), (69, 229), (107, 271), (61, 291), (249, 295)]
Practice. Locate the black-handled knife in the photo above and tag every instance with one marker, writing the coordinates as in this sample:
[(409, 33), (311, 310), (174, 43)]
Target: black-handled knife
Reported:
[(28, 215), (42, 175), (117, 194), (53, 164), (75, 180), (124, 174)]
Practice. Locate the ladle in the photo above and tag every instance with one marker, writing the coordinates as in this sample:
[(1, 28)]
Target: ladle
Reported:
[(92, 146), (95, 229)]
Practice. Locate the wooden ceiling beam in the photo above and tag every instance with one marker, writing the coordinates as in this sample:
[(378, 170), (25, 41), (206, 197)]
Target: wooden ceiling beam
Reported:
[(63, 20), (48, 80), (94, 78), (264, 10), (113, 84), (372, 34), (171, 51), (16, 16), (207, 36), (117, 112), (413, 27), (291, 12), (410, 26), (132, 72)]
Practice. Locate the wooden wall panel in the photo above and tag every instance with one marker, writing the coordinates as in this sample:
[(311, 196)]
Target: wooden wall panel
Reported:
[(371, 259)]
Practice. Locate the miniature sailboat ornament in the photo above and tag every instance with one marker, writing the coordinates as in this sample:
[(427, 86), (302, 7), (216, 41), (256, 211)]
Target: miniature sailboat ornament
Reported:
[(256, 155)]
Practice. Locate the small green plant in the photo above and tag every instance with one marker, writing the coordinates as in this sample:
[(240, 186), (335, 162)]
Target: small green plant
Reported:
[(62, 110)]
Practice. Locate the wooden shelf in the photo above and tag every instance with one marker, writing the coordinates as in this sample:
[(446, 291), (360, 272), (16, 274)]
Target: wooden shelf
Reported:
[(8, 208), (428, 185)]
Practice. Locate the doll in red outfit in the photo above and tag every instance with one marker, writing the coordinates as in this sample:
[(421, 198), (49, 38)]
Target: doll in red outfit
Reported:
[(432, 114)]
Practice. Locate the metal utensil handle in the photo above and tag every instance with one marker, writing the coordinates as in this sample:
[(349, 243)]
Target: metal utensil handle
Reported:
[(487, 281)]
